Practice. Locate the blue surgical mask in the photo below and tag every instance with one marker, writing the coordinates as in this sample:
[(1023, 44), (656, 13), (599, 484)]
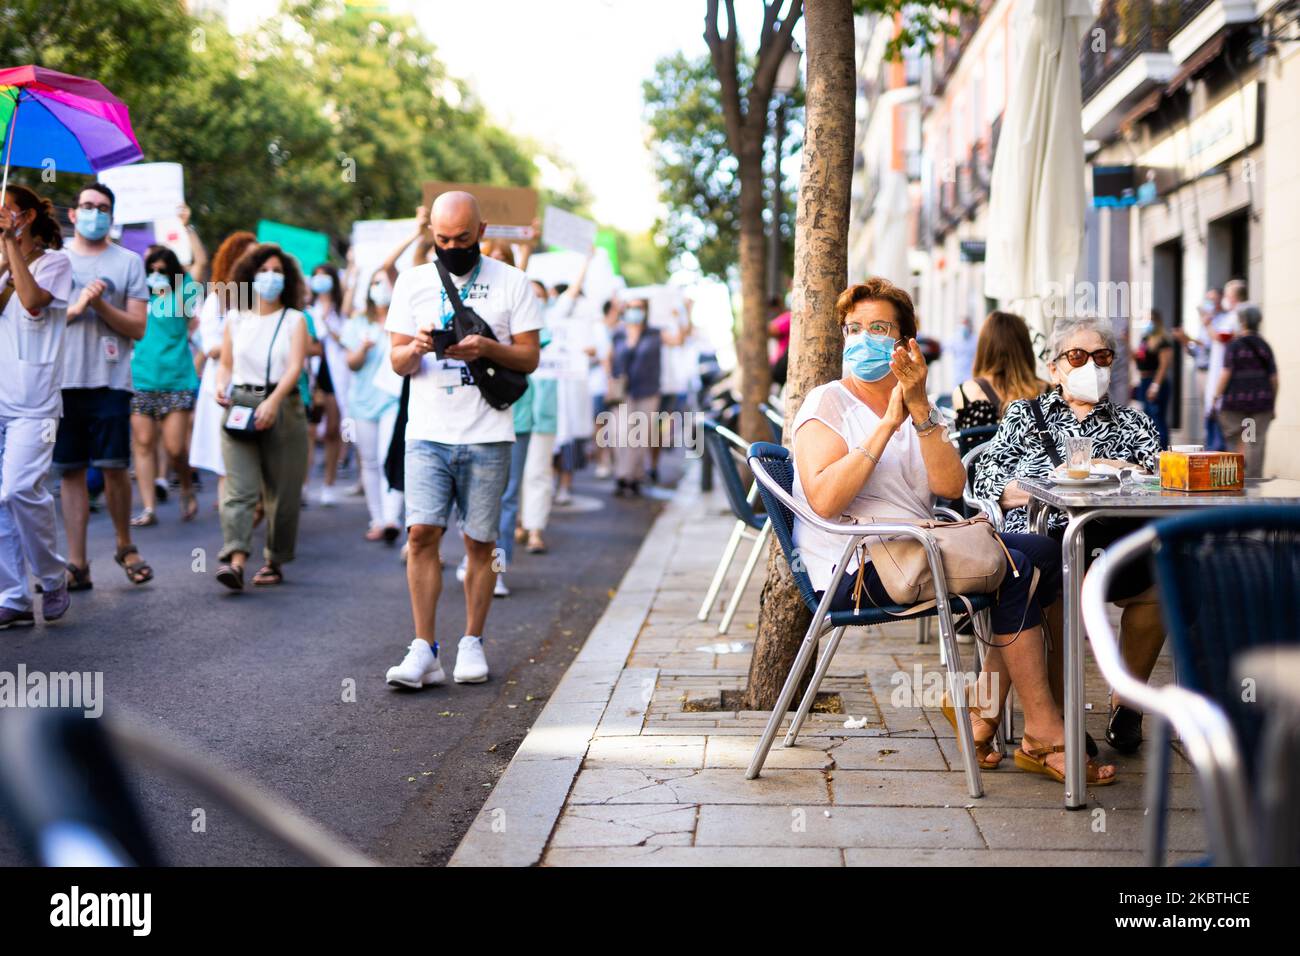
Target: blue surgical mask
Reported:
[(867, 356), (158, 283), (268, 285), (93, 224), (321, 283), (634, 316)]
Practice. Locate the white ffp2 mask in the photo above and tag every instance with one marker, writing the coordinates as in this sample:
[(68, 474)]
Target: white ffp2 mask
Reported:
[(1089, 382)]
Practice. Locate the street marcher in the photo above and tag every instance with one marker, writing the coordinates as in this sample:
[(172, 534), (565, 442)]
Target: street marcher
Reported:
[(205, 445), (35, 286), (373, 409), (1247, 390), (1078, 405), (636, 354), (107, 312), (598, 382), (871, 443), (1153, 360), (264, 437), (162, 369), (332, 372), (675, 368), (457, 445), (571, 323), (537, 486), (1003, 370)]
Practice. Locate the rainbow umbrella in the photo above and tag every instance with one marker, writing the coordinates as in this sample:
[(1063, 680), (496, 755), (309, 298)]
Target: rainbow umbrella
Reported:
[(51, 118)]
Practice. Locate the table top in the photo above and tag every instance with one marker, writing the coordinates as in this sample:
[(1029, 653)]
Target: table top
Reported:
[(1280, 491)]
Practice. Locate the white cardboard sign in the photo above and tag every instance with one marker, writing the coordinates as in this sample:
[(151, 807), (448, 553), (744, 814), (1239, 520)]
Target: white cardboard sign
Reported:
[(145, 192), (568, 231)]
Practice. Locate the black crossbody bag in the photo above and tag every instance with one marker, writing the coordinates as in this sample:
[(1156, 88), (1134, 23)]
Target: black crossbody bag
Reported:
[(244, 425), (500, 387)]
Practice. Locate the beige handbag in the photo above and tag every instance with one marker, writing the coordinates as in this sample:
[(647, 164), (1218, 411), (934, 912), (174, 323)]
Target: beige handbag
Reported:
[(974, 562)]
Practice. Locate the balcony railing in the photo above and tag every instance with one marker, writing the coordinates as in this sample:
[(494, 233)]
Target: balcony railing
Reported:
[(1125, 29)]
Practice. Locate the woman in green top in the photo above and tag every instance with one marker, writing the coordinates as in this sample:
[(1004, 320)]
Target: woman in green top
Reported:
[(162, 372)]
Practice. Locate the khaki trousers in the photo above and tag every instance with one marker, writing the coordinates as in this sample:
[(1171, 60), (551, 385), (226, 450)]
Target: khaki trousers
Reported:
[(271, 466)]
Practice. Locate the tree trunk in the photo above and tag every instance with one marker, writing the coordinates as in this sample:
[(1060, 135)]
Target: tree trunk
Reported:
[(755, 373), (820, 275)]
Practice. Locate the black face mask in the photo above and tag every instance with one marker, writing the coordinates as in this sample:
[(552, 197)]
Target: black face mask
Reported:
[(458, 261)]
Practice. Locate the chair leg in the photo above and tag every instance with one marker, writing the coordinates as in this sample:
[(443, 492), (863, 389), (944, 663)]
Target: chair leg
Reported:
[(923, 630), (810, 695), (750, 563), (1157, 788), (801, 661), (957, 691), (720, 575)]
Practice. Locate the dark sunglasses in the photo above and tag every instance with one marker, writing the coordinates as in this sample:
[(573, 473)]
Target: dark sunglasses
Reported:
[(1078, 358)]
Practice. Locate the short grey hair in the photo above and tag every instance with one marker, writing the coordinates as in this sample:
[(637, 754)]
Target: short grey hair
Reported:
[(1065, 328), (1249, 316)]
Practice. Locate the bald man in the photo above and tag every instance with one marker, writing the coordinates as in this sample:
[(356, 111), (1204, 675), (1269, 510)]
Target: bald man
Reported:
[(457, 445)]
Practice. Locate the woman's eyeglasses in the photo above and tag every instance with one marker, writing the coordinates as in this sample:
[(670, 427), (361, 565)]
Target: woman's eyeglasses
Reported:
[(1079, 357), (875, 328)]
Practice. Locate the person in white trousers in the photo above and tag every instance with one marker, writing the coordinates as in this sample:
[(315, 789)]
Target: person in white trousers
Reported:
[(373, 408), (35, 284)]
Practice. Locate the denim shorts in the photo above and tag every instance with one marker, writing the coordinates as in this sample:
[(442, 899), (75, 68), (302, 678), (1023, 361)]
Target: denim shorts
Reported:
[(474, 477)]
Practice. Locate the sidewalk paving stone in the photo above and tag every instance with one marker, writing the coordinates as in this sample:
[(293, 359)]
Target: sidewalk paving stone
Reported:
[(615, 772)]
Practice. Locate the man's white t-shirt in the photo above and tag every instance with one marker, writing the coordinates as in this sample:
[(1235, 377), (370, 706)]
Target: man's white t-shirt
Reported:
[(31, 345), (446, 406)]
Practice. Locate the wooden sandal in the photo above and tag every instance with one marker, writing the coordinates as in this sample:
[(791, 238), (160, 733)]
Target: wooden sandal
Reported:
[(1034, 760), (983, 749), (137, 572)]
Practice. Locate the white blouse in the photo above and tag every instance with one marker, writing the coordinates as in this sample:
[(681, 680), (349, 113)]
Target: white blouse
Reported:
[(899, 487)]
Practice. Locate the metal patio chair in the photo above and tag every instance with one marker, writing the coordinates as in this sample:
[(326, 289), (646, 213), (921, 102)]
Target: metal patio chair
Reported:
[(724, 447), (1229, 582), (773, 468)]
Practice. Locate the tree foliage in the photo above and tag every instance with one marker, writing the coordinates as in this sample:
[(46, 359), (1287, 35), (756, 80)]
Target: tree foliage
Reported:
[(320, 116), (695, 166)]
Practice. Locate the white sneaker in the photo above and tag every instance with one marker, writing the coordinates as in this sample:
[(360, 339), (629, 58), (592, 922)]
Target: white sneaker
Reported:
[(604, 471), (462, 568), (471, 665), (419, 668), (563, 497), (499, 589), (328, 497)]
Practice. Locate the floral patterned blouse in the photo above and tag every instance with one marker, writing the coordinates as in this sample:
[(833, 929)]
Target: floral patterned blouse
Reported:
[(1016, 451)]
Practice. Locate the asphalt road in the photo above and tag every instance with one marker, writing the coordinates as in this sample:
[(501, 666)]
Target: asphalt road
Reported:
[(258, 679)]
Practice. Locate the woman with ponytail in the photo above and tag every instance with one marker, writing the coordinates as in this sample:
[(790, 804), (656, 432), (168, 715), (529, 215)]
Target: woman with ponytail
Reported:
[(35, 285)]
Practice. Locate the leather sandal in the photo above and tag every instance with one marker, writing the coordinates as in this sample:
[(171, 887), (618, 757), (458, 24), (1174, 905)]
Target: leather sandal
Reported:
[(231, 576), (987, 754), (137, 572), (1032, 755), (268, 575), (79, 578)]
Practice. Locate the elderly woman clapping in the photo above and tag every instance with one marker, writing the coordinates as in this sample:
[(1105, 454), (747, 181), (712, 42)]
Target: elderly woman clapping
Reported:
[(869, 446), (1082, 350)]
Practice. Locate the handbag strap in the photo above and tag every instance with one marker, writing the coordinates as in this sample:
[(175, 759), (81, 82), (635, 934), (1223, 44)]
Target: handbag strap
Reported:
[(270, 350), (990, 393), (1045, 436)]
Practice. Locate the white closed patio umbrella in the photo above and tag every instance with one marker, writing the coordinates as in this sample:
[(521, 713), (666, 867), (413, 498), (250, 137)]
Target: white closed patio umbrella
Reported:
[(1037, 196)]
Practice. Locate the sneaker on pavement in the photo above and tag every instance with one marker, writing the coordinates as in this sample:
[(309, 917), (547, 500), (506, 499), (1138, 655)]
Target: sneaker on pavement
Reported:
[(462, 569), (54, 604), (563, 496), (499, 589), (419, 668), (9, 617), (603, 472), (328, 496), (471, 665)]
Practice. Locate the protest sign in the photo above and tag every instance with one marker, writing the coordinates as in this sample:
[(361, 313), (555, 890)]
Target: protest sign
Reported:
[(509, 211), (171, 232), (553, 268), (565, 230), (145, 192), (308, 247), (372, 240)]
